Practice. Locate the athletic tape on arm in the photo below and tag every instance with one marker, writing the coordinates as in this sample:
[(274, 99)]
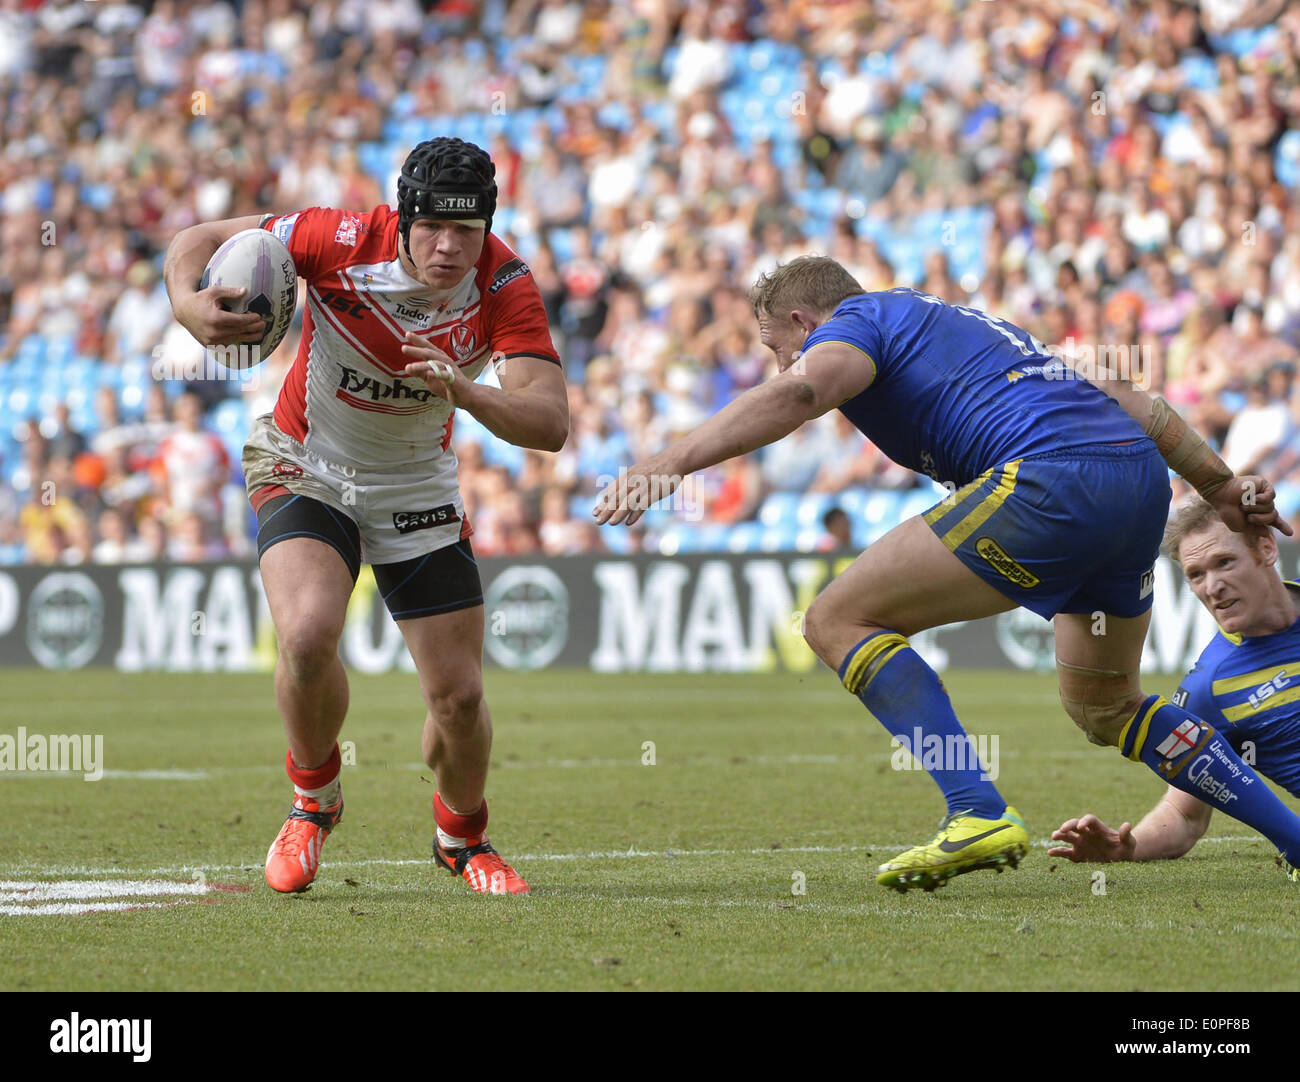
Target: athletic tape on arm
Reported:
[(1187, 454)]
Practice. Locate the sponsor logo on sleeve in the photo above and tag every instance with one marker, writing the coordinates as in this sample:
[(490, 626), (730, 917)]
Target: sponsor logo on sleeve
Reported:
[(410, 521), (1189, 735), (1180, 697), (507, 273), (347, 230), (1212, 788), (284, 228)]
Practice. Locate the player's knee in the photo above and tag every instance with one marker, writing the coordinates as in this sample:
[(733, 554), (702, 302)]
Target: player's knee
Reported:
[(1102, 721), (818, 625), (307, 651), (456, 706)]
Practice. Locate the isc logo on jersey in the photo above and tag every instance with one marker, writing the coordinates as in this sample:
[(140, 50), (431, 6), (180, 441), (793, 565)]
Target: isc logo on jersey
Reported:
[(1268, 689)]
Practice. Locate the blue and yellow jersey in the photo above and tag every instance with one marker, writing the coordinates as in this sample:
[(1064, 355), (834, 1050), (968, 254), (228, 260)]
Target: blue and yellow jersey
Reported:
[(1249, 690), (958, 392)]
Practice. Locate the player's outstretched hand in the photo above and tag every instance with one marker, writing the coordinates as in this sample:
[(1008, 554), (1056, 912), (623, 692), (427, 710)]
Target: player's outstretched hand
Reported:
[(1090, 841), (1246, 503), (211, 325), (636, 489), (439, 372)]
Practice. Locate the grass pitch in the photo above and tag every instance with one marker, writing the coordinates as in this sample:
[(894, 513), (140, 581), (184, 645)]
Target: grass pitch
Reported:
[(684, 874)]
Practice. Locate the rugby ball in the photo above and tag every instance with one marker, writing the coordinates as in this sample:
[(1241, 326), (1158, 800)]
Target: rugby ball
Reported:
[(260, 263)]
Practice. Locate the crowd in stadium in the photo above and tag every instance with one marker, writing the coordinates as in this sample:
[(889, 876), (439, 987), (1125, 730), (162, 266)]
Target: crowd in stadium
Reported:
[(1119, 177)]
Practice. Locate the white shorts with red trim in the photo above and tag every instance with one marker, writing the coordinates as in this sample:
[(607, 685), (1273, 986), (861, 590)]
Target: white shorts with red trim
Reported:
[(400, 514)]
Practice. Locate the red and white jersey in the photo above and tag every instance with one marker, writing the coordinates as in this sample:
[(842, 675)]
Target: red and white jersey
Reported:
[(345, 398)]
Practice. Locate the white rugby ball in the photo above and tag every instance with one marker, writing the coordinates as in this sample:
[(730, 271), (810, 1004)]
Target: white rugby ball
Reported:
[(260, 263)]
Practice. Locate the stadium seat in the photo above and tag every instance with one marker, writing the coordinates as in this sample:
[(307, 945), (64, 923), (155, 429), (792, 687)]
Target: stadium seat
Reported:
[(618, 539), (745, 536), (777, 539), (813, 506), (230, 417), (779, 507)]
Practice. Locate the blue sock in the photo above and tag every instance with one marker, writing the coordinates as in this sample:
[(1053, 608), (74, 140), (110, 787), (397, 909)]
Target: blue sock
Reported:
[(1190, 755), (906, 697)]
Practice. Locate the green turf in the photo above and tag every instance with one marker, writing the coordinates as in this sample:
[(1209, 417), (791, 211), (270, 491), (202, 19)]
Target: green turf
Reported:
[(672, 876)]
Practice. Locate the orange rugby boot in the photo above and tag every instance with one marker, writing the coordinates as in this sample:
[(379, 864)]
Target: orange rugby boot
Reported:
[(482, 867), (294, 856)]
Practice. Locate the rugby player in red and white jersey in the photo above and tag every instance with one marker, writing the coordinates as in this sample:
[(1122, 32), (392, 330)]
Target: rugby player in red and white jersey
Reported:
[(403, 312)]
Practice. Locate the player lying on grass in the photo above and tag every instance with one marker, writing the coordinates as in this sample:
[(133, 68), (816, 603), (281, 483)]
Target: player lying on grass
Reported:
[(1061, 495), (1246, 683), (403, 312)]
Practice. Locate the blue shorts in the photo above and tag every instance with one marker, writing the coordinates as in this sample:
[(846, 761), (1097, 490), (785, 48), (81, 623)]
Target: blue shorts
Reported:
[(1069, 531)]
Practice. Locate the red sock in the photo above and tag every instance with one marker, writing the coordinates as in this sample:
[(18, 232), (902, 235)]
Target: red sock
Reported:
[(456, 827), (317, 777)]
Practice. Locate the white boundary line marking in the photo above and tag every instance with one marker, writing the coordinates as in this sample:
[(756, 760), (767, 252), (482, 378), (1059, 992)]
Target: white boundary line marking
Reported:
[(72, 897), (610, 854)]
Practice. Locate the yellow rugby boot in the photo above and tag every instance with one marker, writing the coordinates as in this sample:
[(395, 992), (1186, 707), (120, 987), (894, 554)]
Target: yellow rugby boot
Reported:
[(963, 844)]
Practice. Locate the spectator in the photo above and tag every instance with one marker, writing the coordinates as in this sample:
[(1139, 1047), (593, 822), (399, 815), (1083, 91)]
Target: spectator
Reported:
[(837, 531), (194, 469)]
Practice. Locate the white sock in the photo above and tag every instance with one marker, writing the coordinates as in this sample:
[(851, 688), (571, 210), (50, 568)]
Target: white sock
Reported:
[(326, 796), (448, 842)]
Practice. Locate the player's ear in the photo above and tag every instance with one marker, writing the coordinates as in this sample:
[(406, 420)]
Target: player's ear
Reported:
[(804, 320), (1265, 546)]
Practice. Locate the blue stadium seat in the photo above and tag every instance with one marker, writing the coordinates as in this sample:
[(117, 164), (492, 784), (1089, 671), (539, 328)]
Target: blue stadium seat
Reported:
[(230, 417), (853, 501), (1199, 72), (812, 506), (806, 540), (31, 350), (918, 501), (561, 241), (778, 539), (21, 402), (779, 507), (745, 536), (618, 539), (1288, 499), (658, 518), (500, 453)]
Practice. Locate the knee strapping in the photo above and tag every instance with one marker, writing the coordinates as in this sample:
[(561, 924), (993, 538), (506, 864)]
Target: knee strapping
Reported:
[(1099, 701)]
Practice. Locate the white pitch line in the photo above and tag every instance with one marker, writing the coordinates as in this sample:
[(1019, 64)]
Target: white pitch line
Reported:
[(73, 909), (609, 854), (82, 889)]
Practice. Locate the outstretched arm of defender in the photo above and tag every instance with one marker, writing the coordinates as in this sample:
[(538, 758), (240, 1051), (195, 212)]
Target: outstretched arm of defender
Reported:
[(200, 312), (1242, 502), (826, 376), (1168, 831)]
